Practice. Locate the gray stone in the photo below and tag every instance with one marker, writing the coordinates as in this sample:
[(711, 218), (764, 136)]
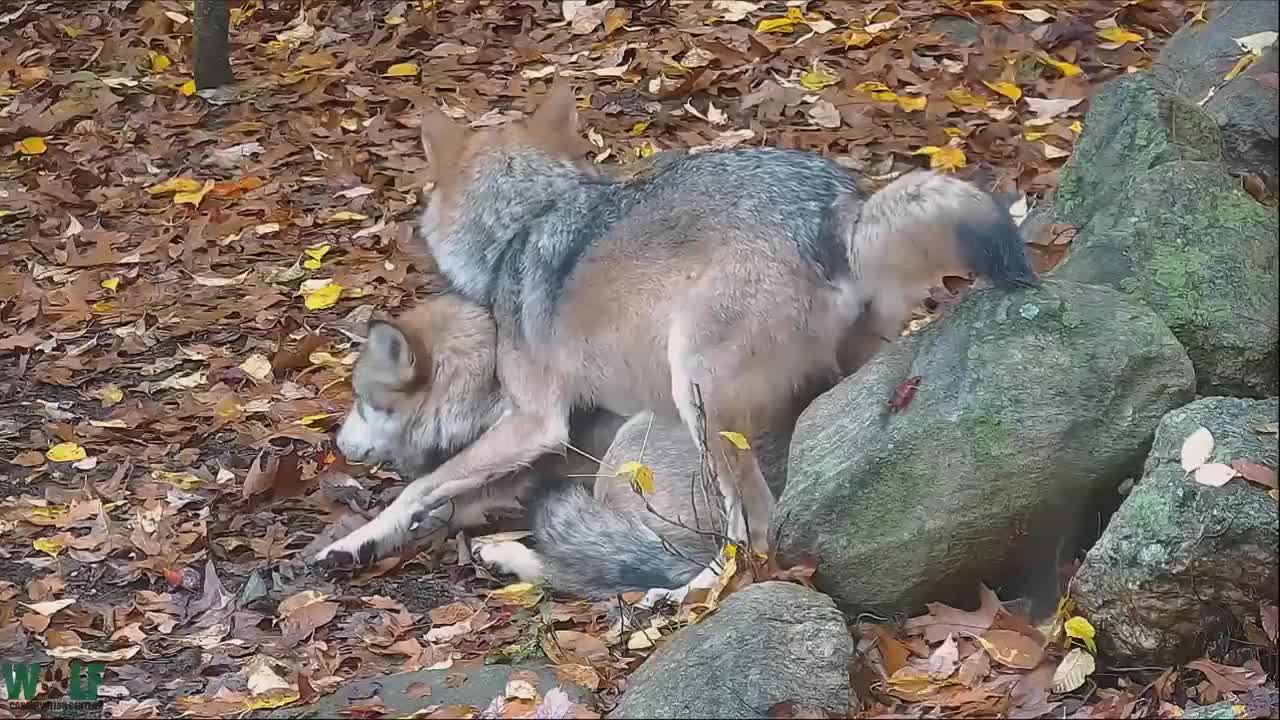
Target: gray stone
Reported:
[(1200, 54), (769, 643), (1249, 116), (1160, 219), (958, 30), (1186, 241), (482, 685), (1030, 402), (1179, 558)]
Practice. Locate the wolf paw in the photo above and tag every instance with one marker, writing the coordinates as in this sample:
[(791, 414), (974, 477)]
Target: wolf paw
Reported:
[(508, 557)]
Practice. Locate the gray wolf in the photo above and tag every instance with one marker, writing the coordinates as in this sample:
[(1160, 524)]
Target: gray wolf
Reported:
[(710, 286), (425, 387)]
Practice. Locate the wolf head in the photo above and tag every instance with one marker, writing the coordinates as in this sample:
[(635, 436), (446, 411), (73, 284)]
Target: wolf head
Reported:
[(424, 385), (491, 184)]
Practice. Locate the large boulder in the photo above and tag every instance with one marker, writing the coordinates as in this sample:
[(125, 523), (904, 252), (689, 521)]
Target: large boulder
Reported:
[(1031, 403), (1197, 59), (1159, 218), (767, 644), (1179, 558)]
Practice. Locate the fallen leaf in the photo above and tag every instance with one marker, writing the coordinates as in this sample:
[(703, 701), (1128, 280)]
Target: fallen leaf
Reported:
[(1119, 35), (738, 439), (65, 452), (405, 69), (943, 660), (1214, 474), (943, 620), (193, 198), (257, 366), (581, 675), (974, 669), (1080, 629), (34, 145), (1254, 472), (323, 297), (346, 216), (1258, 42), (1197, 449), (520, 594), (1011, 648), (1228, 678), (1072, 671), (175, 185), (943, 158), (1270, 617), (1007, 89), (1045, 108), (49, 607)]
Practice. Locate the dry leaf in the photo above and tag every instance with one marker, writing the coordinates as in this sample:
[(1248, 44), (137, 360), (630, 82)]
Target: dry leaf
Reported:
[(1214, 474), (1012, 649), (943, 661), (1072, 671), (1254, 472), (1197, 449)]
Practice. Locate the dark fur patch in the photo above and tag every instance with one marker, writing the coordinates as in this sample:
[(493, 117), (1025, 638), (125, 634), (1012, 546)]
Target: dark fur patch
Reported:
[(994, 250), (367, 553)]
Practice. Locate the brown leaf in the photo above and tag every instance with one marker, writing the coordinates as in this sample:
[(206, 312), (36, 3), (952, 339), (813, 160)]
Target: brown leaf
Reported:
[(1012, 649), (974, 669), (942, 663), (1228, 678), (30, 458), (944, 620), (893, 654), (262, 476), (582, 675), (1270, 615), (1255, 472)]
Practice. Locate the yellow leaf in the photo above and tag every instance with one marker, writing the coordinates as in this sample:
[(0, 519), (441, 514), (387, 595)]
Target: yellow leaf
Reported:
[(1244, 62), (159, 63), (110, 395), (954, 132), (317, 252), (817, 79), (183, 480), (522, 594), (943, 158), (992, 3), (877, 90), (1120, 35), (271, 699), (325, 297), (101, 306), (349, 124), (738, 439), (346, 216), (858, 38), (34, 145), (1007, 89), (393, 20), (646, 150), (964, 98), (781, 24), (638, 128), (912, 104), (640, 475), (188, 88), (50, 512), (193, 198), (111, 283), (72, 31), (309, 419), (311, 264), (48, 546), (65, 452), (1066, 68), (1033, 136), (1076, 127), (177, 184), (404, 69), (1080, 629)]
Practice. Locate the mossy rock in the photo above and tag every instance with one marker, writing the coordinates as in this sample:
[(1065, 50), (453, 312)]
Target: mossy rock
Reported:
[(1182, 238), (1180, 559), (1031, 404)]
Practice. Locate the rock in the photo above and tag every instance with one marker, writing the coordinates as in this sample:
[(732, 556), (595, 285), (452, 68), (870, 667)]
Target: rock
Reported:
[(1247, 112), (478, 687), (1199, 56), (958, 30), (1030, 403), (1133, 125), (1160, 219), (1179, 558), (769, 643)]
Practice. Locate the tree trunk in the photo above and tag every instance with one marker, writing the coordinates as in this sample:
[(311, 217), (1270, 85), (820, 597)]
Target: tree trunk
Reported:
[(211, 24)]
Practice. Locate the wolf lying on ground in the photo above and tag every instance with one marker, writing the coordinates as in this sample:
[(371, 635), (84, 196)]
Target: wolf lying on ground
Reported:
[(714, 285), (425, 387)]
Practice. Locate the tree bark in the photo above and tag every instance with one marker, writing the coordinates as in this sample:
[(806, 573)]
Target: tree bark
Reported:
[(210, 27)]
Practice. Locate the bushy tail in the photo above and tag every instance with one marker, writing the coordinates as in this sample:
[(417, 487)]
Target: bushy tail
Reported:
[(591, 550), (925, 224)]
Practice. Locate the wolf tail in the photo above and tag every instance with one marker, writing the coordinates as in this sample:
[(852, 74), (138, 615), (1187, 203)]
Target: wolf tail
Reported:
[(589, 549), (926, 224)]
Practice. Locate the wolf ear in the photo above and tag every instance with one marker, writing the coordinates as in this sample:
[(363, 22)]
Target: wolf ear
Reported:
[(441, 137), (559, 111), (389, 349)]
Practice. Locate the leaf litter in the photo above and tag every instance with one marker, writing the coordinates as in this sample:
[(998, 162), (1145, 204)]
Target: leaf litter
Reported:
[(183, 273)]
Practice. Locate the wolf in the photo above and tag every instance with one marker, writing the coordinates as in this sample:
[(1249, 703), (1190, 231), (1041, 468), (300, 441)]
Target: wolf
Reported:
[(425, 386), (710, 288)]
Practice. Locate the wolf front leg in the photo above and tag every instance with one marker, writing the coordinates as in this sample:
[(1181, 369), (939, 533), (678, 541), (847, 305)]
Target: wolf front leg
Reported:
[(514, 442)]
